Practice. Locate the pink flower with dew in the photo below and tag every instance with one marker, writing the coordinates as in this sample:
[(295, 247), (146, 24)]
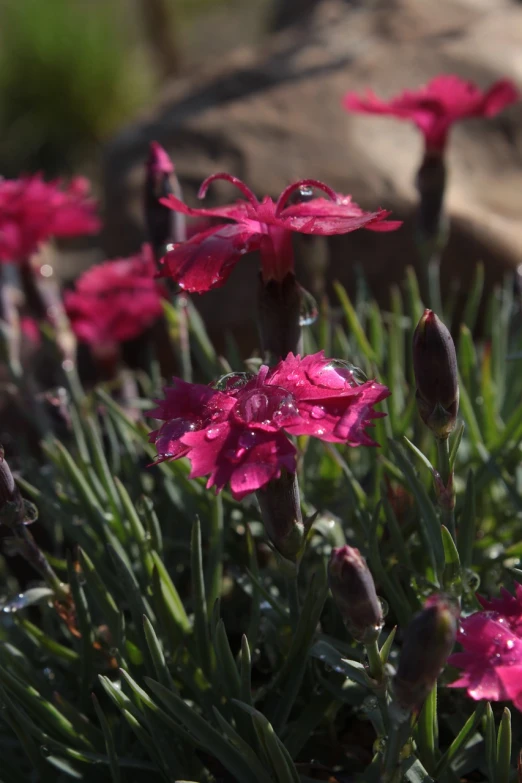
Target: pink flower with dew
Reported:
[(236, 432), (115, 301), (436, 106), (32, 211), (492, 657), (206, 260)]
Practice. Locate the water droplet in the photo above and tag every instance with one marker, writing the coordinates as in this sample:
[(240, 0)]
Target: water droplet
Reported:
[(234, 455), (269, 404), (213, 432), (348, 371), (247, 439), (384, 606), (44, 750), (317, 412), (233, 380), (308, 310), (320, 431), (510, 644), (170, 433)]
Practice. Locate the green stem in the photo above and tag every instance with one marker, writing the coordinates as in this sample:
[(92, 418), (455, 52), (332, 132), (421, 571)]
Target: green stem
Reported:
[(37, 559), (397, 738), (446, 474), (426, 731), (293, 599)]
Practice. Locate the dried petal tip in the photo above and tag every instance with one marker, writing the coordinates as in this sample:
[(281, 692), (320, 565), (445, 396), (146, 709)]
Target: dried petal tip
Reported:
[(428, 641), (354, 593), (436, 376)]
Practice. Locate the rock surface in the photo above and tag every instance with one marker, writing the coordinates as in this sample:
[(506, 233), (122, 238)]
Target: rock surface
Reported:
[(272, 116)]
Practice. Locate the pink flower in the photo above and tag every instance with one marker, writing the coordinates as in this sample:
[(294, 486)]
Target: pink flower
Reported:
[(115, 301), (436, 106), (206, 260), (236, 431), (492, 657), (32, 211)]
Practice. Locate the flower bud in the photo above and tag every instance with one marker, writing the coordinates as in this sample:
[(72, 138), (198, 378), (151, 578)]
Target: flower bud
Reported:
[(163, 225), (428, 641), (281, 514), (353, 590), (435, 367)]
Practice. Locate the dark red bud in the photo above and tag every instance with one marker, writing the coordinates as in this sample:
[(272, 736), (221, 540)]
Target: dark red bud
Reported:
[(436, 376), (160, 181), (428, 641), (353, 590), (281, 514)]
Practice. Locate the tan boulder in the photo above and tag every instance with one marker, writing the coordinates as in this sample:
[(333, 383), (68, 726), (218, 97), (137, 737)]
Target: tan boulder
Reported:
[(274, 115)]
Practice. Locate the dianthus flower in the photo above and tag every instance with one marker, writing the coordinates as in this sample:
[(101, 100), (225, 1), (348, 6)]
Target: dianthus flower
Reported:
[(436, 106), (32, 211), (115, 301), (206, 260), (492, 657), (237, 431)]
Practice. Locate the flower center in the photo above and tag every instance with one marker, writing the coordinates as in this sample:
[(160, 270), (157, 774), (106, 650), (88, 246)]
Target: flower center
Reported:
[(270, 405)]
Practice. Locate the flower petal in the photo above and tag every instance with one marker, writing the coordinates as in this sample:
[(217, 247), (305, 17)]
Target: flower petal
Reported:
[(206, 260)]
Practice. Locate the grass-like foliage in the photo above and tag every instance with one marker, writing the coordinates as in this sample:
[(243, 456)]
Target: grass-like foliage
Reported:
[(176, 645)]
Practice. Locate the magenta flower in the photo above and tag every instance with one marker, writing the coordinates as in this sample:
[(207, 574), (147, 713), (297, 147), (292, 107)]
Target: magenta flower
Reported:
[(492, 657), (115, 301), (436, 106), (32, 211), (207, 259), (236, 432)]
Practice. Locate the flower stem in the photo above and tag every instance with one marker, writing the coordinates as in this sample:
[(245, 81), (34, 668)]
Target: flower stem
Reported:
[(35, 557), (426, 731), (293, 599), (446, 474)]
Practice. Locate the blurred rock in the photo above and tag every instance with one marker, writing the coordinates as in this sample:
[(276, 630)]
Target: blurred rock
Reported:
[(274, 116)]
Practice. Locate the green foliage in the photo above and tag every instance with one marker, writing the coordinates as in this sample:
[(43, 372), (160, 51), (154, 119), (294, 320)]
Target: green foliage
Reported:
[(68, 77), (181, 622)]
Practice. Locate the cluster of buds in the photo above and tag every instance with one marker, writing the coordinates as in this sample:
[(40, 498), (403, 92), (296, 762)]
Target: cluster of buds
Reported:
[(353, 590), (436, 375)]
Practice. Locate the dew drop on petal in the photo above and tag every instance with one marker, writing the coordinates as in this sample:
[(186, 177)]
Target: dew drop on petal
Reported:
[(212, 433), (317, 412)]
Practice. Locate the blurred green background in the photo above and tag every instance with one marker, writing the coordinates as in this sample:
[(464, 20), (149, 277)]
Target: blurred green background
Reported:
[(73, 71)]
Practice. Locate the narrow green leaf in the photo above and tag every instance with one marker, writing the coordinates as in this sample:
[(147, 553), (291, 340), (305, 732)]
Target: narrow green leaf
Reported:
[(243, 747), (153, 524), (255, 607), (452, 577), (104, 474), (109, 741), (467, 523), (353, 670), (282, 764), (101, 595), (214, 538), (431, 525), (491, 742), (40, 639), (503, 748), (460, 740), (201, 630), (426, 731), (171, 596), (354, 323), (474, 297), (386, 648), (85, 627), (138, 531), (227, 673), (455, 444), (206, 735), (156, 651), (246, 671)]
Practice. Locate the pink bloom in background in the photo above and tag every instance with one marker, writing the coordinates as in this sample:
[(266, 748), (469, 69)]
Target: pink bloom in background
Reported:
[(436, 106), (115, 301), (236, 431), (492, 657), (207, 259), (32, 211)]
